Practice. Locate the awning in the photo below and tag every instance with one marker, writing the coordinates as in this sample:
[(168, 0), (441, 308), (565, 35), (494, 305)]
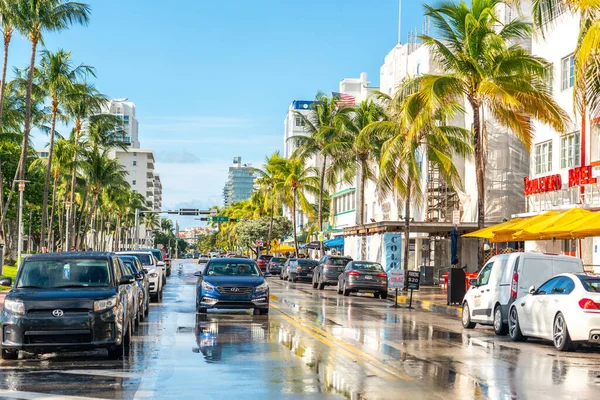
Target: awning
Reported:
[(335, 242), (544, 229), (487, 233), (282, 248), (505, 234)]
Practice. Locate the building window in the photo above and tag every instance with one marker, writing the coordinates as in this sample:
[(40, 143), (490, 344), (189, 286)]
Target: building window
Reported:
[(134, 163), (345, 202), (570, 150), (595, 156), (133, 182), (299, 121), (543, 157), (134, 154), (568, 72), (134, 191)]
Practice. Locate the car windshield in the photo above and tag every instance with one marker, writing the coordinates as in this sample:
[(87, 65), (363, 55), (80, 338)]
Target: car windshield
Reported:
[(145, 259), (338, 261), (367, 266), (591, 284), (64, 273), (232, 269)]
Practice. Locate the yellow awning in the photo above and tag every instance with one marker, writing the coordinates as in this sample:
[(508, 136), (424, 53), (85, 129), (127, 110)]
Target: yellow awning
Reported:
[(281, 248), (505, 234), (588, 226), (487, 233), (544, 228)]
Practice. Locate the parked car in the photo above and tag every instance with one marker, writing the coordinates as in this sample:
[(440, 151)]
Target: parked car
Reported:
[(262, 261), (275, 264), (154, 269), (564, 309), (232, 283), (188, 256), (505, 278), (135, 268), (328, 270), (68, 301), (363, 276), (202, 262), (160, 256), (299, 269)]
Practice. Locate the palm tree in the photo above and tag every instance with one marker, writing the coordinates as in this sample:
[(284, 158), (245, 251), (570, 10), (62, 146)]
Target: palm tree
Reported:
[(323, 125), (587, 53), (353, 154), (296, 181), (482, 65), (166, 225), (57, 76), (9, 21), (415, 126), (35, 18)]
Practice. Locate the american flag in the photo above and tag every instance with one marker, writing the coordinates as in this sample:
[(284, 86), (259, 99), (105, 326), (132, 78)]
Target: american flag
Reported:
[(344, 100)]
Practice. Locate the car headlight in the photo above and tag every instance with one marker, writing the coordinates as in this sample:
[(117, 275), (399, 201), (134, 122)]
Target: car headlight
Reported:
[(14, 306), (153, 275), (262, 287), (207, 286), (105, 304)]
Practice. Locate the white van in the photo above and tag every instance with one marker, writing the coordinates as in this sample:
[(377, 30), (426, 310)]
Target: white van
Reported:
[(506, 277)]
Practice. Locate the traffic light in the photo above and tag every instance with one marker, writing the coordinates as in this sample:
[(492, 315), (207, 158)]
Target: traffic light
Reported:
[(204, 219), (234, 220)]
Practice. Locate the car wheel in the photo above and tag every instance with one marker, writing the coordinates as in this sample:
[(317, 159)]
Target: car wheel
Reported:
[(321, 285), (117, 353), (514, 330), (339, 290), (466, 317), (295, 279), (168, 272), (289, 278), (315, 282), (376, 295), (560, 334), (383, 295), (10, 354), (345, 291), (281, 275), (147, 309), (160, 294), (500, 328)]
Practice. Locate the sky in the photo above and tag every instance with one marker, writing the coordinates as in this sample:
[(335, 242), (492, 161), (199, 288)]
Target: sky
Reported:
[(213, 80)]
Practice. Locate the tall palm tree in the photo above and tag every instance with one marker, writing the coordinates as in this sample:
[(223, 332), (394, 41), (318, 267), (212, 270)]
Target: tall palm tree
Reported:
[(587, 53), (9, 23), (482, 64), (415, 126), (297, 181), (37, 17), (323, 125), (353, 154), (57, 76)]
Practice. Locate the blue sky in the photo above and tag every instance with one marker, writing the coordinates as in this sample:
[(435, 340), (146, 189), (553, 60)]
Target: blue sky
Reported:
[(213, 80)]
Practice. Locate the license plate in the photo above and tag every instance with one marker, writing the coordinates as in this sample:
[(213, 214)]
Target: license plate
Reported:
[(309, 275), (368, 277)]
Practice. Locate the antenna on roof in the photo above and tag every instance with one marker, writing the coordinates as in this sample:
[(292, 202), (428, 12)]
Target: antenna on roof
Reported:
[(399, 20)]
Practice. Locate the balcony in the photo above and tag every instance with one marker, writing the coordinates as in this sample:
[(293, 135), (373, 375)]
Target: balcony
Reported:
[(150, 184), (150, 165), (150, 175)]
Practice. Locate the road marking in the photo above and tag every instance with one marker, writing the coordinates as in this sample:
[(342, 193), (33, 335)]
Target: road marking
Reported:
[(348, 350), (15, 394), (103, 372)]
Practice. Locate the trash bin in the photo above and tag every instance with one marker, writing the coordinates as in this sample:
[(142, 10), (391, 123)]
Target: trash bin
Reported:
[(456, 285), (426, 275)]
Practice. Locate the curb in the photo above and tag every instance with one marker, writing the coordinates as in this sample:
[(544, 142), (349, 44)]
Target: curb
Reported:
[(427, 305)]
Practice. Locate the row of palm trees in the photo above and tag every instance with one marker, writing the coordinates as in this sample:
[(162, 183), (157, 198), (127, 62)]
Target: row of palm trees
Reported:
[(84, 190), (485, 69)]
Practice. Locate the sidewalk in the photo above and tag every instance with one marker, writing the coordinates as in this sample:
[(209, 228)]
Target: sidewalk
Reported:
[(429, 298)]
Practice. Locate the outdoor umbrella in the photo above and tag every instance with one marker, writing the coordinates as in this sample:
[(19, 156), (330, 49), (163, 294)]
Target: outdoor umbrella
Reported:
[(454, 246)]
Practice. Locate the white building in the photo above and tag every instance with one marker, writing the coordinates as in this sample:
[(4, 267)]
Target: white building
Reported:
[(126, 111), (139, 164)]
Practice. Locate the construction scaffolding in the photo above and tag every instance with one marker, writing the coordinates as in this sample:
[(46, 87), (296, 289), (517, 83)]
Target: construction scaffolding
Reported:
[(442, 199)]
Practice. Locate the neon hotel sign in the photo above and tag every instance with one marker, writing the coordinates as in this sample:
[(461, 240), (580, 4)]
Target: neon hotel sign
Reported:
[(577, 177)]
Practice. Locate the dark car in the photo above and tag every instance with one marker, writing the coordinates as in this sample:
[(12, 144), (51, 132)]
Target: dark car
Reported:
[(68, 301), (232, 283), (160, 256), (363, 276), (135, 268), (328, 271), (275, 264), (262, 261), (299, 269)]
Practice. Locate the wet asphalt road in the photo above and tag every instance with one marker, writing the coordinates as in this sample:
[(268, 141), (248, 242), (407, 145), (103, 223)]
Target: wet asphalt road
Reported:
[(314, 344)]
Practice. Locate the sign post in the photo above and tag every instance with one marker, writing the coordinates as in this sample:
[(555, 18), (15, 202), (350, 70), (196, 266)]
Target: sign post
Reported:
[(396, 277), (413, 279)]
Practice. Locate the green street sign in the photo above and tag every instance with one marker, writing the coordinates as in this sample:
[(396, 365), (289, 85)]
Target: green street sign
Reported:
[(218, 218)]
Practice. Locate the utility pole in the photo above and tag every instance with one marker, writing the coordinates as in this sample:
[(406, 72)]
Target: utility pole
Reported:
[(20, 244), (68, 209)]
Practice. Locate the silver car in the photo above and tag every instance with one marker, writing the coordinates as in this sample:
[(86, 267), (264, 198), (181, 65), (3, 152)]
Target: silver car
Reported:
[(363, 276)]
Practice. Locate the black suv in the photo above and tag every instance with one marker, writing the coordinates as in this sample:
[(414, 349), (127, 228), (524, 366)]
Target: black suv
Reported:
[(328, 271), (68, 301)]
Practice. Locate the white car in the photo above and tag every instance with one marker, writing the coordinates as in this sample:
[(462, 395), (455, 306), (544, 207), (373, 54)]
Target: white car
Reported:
[(155, 270), (565, 309)]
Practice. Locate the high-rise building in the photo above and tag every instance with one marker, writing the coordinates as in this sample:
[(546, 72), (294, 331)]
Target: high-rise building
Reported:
[(126, 111), (240, 182), (139, 164)]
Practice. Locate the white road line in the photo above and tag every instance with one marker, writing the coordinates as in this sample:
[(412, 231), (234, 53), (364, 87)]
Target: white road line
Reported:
[(15, 394), (102, 372)]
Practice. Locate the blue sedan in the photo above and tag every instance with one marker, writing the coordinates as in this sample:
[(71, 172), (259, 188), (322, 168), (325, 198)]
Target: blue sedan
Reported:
[(232, 283)]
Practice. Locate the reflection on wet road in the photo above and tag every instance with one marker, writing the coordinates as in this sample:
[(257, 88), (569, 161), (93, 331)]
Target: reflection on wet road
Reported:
[(314, 344)]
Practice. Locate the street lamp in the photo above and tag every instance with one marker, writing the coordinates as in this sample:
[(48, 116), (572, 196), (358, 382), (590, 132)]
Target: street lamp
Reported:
[(68, 209)]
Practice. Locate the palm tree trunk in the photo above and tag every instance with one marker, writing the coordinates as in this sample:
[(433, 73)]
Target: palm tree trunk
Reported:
[(77, 232), (51, 223), (48, 170), (480, 178), (321, 190), (27, 127), (407, 227), (7, 37), (294, 218), (271, 228), (360, 198)]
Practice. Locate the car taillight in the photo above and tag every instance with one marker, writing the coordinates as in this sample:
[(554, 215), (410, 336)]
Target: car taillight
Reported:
[(514, 285), (353, 273), (299, 268), (588, 304), (382, 275)]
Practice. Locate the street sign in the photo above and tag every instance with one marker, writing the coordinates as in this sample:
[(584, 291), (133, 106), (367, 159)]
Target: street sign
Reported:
[(219, 218), (455, 217), (396, 277), (413, 280), (259, 243)]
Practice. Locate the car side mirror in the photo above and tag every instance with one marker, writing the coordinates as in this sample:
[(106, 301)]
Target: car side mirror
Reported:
[(531, 289), (160, 264), (6, 282), (473, 282), (139, 276), (126, 280), (198, 273)]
